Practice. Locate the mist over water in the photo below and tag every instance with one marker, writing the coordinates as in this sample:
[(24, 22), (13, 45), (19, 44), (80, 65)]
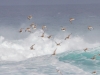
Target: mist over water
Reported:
[(15, 46), (15, 17)]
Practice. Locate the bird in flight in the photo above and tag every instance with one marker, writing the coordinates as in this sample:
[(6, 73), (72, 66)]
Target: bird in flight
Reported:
[(54, 53), (59, 71), (44, 27), (29, 17), (94, 57), (21, 30), (50, 36), (58, 44), (85, 49), (28, 29), (90, 28), (68, 36), (71, 19), (94, 72), (42, 35), (63, 29), (32, 47)]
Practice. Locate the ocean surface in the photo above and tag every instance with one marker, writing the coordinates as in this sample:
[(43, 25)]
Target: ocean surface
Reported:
[(16, 58)]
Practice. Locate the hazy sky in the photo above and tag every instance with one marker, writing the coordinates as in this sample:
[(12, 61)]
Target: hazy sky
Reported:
[(46, 2)]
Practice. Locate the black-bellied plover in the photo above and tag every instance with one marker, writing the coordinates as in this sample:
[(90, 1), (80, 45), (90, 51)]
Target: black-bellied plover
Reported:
[(68, 36), (71, 19), (29, 17), (32, 47)]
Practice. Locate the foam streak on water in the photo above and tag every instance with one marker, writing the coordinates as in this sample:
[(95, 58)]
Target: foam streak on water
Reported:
[(44, 65)]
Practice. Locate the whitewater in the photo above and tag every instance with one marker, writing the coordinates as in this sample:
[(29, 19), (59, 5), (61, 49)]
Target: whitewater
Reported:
[(16, 58), (16, 50)]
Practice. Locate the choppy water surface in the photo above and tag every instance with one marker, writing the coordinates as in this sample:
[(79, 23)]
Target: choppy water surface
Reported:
[(16, 58)]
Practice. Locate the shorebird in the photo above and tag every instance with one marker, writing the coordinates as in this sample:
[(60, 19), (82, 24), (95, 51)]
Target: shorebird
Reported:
[(21, 30), (54, 53), (29, 17), (68, 36), (28, 29), (94, 57), (43, 27), (59, 71), (85, 49), (94, 72), (32, 47), (42, 35), (98, 54), (33, 26), (49, 36), (71, 19), (63, 29), (90, 28), (58, 44)]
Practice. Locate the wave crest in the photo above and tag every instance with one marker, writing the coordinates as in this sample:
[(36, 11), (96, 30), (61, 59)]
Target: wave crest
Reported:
[(16, 50)]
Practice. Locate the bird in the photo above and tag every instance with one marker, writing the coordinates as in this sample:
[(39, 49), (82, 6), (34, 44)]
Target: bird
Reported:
[(90, 28), (21, 30), (32, 25), (94, 72), (32, 47), (29, 17), (54, 53), (98, 54), (85, 49), (63, 29), (94, 57), (59, 71), (68, 36), (43, 27), (71, 19), (42, 35), (58, 44), (28, 29), (49, 36)]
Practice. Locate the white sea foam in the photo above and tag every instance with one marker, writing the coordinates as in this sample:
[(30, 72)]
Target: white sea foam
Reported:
[(41, 66), (16, 50)]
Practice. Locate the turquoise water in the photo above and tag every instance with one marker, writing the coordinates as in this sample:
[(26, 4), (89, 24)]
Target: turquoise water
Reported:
[(83, 59), (16, 58), (70, 63)]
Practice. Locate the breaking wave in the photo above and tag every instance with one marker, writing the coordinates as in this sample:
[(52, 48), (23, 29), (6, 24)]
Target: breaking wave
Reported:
[(17, 50)]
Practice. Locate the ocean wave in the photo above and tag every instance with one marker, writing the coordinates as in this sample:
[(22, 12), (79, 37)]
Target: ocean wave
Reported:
[(17, 50), (44, 65)]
